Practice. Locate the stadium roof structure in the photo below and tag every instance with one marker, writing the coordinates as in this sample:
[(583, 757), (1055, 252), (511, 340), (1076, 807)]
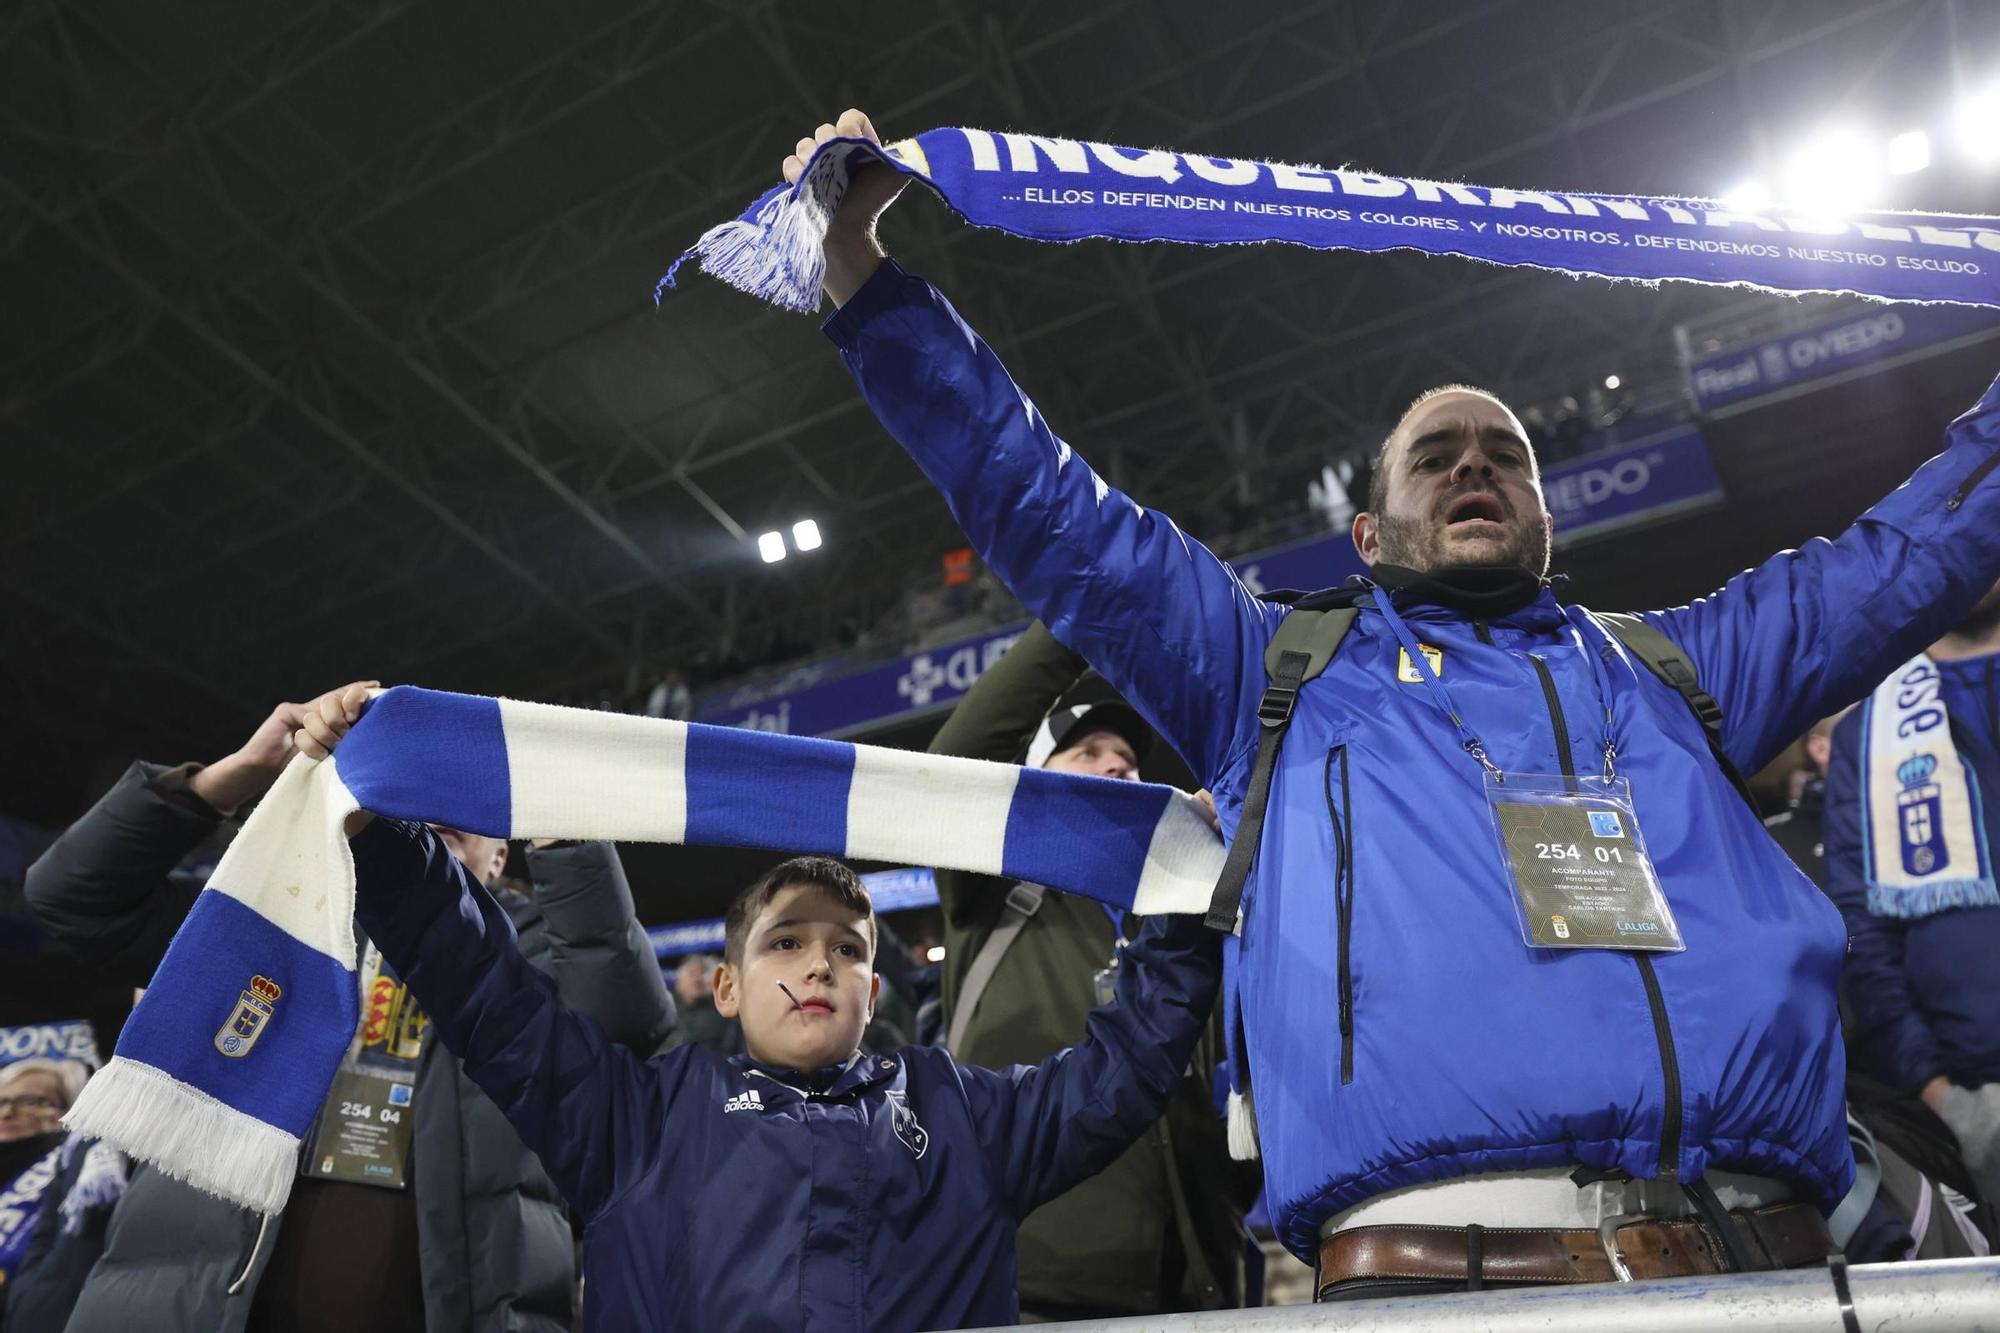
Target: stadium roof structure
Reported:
[(330, 345)]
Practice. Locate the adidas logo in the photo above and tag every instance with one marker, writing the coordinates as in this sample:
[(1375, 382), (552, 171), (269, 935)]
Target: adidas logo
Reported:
[(744, 1101)]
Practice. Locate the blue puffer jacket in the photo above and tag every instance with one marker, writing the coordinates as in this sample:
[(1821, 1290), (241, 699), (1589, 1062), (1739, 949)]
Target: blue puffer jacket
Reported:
[(1466, 1051), (722, 1194), (1925, 994)]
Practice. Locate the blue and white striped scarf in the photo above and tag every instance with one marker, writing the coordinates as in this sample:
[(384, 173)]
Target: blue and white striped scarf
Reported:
[(1922, 827), (1050, 189), (221, 1070)]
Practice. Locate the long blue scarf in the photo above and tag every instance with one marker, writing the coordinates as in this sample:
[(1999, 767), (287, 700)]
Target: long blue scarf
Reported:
[(221, 1069), (1049, 189)]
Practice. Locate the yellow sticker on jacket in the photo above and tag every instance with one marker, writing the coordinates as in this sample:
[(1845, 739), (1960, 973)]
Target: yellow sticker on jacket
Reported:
[(1406, 670)]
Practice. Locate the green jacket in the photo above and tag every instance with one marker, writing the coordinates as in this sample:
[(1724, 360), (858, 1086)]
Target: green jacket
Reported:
[(1112, 1245)]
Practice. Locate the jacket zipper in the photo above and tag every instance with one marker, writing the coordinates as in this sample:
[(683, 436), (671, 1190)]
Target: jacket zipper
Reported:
[(1663, 1033), (1343, 901), (1972, 479)]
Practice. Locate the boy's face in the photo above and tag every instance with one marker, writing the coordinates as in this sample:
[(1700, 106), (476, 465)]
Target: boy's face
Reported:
[(818, 949)]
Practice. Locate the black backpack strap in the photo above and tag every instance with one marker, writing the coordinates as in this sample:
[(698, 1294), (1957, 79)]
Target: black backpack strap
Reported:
[(1304, 643), (1665, 659)]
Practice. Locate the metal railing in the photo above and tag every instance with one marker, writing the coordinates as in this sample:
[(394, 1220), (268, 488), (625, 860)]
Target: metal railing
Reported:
[(1935, 1296)]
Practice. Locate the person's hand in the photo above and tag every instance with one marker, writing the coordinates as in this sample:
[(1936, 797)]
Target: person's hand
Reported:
[(327, 719), (239, 778), (852, 251), (1208, 805), (1933, 1092)]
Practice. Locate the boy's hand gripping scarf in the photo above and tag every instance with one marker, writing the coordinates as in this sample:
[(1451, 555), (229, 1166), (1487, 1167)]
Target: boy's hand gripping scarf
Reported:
[(1063, 190), (1923, 832), (223, 1066)]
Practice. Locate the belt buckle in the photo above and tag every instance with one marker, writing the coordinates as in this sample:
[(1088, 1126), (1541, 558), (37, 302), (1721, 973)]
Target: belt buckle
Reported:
[(1607, 1236)]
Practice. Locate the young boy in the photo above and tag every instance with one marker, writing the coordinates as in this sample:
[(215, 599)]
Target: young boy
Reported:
[(803, 1185)]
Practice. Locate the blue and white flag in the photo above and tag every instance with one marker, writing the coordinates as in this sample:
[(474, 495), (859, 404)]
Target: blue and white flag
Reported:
[(1049, 189), (221, 1070), (1923, 832)]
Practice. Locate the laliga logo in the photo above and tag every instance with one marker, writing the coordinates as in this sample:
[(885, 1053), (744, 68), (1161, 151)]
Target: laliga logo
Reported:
[(246, 1022)]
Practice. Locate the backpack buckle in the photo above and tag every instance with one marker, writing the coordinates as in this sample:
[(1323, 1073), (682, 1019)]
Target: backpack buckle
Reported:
[(1275, 708), (1708, 711)]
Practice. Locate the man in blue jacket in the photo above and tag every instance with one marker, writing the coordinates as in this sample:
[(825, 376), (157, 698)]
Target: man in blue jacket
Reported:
[(1414, 1059), (803, 1185), (1909, 854)]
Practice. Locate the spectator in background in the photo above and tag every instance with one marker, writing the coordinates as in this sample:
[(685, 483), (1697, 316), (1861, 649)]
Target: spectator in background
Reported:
[(1161, 1228), (1912, 830), (474, 1237), (33, 1096), (700, 1024), (57, 1191), (671, 697), (1798, 827)]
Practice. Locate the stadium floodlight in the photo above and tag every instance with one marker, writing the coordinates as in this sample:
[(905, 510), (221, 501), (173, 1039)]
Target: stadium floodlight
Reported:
[(934, 954), (1834, 173), (1748, 197), (772, 547), (1909, 152), (1979, 125), (1612, 381), (805, 535)]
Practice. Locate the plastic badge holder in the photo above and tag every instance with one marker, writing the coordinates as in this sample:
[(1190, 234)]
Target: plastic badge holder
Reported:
[(1578, 865)]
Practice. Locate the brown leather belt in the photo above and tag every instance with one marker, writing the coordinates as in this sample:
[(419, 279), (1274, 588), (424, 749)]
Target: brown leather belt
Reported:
[(1786, 1235)]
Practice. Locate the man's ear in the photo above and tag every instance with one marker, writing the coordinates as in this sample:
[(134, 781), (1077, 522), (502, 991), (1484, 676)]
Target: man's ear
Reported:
[(727, 1003), (874, 994), (1367, 538)]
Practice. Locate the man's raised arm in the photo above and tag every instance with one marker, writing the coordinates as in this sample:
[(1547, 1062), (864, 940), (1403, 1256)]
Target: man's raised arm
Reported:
[(1156, 612), (1810, 631)]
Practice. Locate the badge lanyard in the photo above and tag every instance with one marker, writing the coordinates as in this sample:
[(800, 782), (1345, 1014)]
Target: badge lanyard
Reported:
[(1601, 672), (1440, 693), (1572, 847), (367, 1124)]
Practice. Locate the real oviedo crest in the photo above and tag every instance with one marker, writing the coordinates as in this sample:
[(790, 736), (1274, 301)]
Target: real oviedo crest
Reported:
[(1921, 817), (246, 1022)]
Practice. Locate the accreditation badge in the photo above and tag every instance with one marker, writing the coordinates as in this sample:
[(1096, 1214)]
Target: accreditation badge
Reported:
[(368, 1121), (1580, 873), (364, 1131)]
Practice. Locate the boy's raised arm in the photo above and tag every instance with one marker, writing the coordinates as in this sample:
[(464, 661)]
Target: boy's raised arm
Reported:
[(1045, 1127), (585, 1105)]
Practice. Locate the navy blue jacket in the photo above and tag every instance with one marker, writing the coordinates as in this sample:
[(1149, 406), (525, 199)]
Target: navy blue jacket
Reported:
[(1925, 994), (1398, 1030), (720, 1194)]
